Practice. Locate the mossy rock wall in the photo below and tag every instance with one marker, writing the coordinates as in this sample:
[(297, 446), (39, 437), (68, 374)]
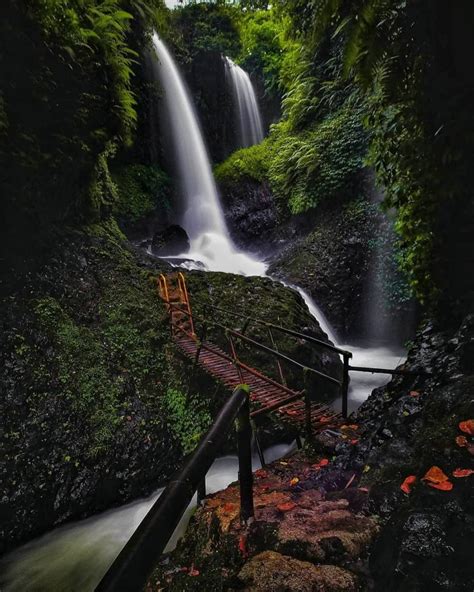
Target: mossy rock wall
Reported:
[(85, 365)]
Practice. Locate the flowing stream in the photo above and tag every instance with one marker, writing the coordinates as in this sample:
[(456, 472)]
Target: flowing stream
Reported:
[(246, 105), (73, 558)]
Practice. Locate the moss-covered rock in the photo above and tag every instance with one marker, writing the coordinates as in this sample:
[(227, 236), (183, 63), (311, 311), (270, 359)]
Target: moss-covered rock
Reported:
[(323, 539), (263, 298), (85, 366), (348, 264)]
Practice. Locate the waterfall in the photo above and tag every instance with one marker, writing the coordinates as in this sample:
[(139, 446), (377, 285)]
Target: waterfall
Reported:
[(201, 216), (246, 105)]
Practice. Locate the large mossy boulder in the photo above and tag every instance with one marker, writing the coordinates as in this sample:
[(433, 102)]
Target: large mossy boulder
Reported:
[(233, 301), (83, 381)]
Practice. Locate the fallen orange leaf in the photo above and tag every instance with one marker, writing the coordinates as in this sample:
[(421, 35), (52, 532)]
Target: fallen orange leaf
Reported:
[(322, 463), (229, 507), (435, 475), (467, 426), (461, 441), (193, 572), (459, 473), (294, 481), (243, 545), (444, 486), (286, 507), (408, 484)]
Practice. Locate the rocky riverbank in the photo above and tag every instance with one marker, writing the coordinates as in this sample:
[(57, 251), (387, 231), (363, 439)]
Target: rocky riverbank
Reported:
[(98, 407), (386, 505)]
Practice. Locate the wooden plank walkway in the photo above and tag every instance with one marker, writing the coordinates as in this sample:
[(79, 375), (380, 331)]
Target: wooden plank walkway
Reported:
[(266, 394)]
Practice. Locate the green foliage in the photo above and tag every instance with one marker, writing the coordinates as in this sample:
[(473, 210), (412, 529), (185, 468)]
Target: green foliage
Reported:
[(102, 370), (316, 152), (189, 418), (262, 46), (245, 164), (141, 189), (418, 109), (319, 164), (203, 27)]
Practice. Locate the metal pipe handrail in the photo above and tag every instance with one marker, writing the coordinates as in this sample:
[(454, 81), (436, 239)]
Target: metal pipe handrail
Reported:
[(131, 569), (263, 347), (315, 340)]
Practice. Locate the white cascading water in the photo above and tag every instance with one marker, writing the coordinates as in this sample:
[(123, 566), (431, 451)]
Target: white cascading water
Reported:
[(246, 105), (73, 558), (202, 216)]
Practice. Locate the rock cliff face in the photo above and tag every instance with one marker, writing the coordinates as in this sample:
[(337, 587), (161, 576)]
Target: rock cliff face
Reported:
[(411, 425)]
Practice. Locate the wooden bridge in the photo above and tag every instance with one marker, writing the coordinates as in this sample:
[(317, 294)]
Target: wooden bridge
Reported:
[(266, 394)]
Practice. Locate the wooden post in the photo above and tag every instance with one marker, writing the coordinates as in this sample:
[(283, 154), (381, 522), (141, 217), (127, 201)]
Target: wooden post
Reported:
[(201, 491), (280, 370), (244, 440), (345, 386), (307, 407)]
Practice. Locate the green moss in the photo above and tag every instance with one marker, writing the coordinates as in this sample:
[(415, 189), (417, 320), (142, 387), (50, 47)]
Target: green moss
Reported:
[(247, 164), (189, 417), (141, 190)]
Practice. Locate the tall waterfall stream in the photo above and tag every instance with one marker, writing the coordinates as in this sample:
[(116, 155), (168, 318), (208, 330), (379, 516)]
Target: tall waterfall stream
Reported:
[(73, 558)]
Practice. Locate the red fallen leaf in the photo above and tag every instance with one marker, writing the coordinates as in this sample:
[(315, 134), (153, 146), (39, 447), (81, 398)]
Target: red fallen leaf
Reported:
[(407, 485), (193, 572), (286, 507), (443, 486), (324, 419), (243, 545), (322, 463), (461, 441), (459, 473), (261, 473), (354, 442), (467, 426), (294, 481), (364, 489), (435, 475), (414, 394), (354, 426), (229, 507)]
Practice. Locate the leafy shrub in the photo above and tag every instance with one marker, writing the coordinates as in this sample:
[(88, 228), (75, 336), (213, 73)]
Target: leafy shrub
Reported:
[(245, 164), (141, 189), (188, 418)]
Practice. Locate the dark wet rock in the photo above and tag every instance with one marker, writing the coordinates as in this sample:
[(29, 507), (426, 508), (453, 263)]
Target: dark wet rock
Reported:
[(173, 240), (409, 426), (348, 251), (251, 214)]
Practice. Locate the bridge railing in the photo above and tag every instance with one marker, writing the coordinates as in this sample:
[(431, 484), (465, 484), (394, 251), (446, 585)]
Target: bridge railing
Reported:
[(133, 566)]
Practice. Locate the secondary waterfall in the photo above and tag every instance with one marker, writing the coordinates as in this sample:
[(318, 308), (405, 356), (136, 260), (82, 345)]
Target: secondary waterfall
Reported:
[(202, 216), (246, 105)]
